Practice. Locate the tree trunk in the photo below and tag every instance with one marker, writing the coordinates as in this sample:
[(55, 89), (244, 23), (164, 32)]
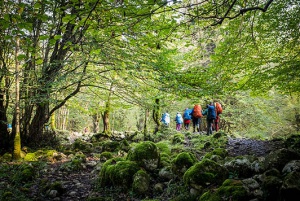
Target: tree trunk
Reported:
[(95, 123), (37, 124), (17, 140), (145, 124), (156, 115), (105, 118), (52, 122)]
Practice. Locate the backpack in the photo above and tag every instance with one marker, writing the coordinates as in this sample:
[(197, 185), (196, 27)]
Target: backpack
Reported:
[(179, 119), (187, 114), (218, 107), (197, 113)]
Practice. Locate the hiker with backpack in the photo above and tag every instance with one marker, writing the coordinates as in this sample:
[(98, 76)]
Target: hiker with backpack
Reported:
[(219, 111), (165, 119), (187, 118), (179, 121), (210, 113), (196, 117)]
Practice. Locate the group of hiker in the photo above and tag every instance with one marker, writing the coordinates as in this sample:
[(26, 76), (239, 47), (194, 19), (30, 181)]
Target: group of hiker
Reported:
[(195, 115)]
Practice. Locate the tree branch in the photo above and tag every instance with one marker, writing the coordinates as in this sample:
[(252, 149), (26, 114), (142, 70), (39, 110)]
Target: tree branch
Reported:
[(242, 11)]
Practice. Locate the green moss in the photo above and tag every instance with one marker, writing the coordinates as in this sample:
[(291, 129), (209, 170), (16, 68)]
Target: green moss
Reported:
[(165, 160), (111, 146), (141, 182), (6, 157), (164, 147), (145, 154), (124, 145), (50, 153), (204, 173), (30, 157), (76, 163), (182, 162), (80, 145), (230, 190), (178, 138), (218, 151), (104, 179), (122, 173), (118, 172), (210, 196), (104, 156)]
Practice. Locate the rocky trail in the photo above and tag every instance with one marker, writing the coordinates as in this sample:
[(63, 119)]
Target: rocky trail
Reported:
[(78, 185)]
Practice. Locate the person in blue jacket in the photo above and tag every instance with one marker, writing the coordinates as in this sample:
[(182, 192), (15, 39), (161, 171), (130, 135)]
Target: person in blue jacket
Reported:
[(210, 113), (187, 118), (179, 121), (165, 119)]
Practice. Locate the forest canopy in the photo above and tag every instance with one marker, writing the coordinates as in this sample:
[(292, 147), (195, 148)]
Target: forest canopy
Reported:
[(101, 59)]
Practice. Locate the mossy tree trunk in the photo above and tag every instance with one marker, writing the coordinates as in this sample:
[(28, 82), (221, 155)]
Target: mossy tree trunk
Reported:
[(145, 124), (17, 140), (156, 115), (52, 121), (95, 123), (105, 116)]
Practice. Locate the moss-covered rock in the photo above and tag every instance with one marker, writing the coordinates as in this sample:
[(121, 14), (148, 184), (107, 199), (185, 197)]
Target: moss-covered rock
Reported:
[(76, 163), (205, 173), (164, 147), (146, 155), (111, 146), (141, 181), (271, 187), (104, 156), (165, 160), (182, 162), (219, 134), (6, 157), (118, 172), (178, 138), (293, 142), (81, 145), (218, 151), (291, 186), (104, 176), (230, 190), (124, 145), (166, 173), (279, 158), (239, 167)]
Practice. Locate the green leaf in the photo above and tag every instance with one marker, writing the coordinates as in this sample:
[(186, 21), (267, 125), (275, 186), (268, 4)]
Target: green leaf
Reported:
[(21, 56)]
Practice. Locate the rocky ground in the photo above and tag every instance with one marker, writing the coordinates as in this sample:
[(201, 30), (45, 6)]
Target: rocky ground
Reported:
[(78, 186), (242, 146)]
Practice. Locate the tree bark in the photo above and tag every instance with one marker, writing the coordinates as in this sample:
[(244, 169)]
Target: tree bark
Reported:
[(145, 124), (105, 117), (95, 123), (156, 115), (17, 140)]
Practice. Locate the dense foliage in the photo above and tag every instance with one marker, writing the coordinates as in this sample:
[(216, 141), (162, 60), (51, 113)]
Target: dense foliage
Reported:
[(119, 64)]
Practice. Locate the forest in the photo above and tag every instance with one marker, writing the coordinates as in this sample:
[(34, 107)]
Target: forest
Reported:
[(84, 84)]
